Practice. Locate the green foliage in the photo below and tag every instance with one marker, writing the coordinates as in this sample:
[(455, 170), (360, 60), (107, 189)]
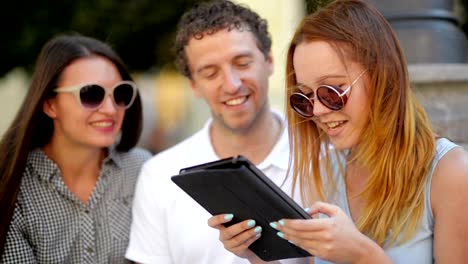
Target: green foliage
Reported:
[(313, 5), (141, 31)]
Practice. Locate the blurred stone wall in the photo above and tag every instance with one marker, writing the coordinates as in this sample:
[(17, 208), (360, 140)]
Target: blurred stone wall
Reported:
[(443, 91)]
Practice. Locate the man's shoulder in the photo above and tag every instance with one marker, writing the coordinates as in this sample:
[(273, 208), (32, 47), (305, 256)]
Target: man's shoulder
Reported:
[(135, 155)]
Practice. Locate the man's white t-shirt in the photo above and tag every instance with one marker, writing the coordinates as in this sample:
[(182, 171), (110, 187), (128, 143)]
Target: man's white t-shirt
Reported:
[(168, 226)]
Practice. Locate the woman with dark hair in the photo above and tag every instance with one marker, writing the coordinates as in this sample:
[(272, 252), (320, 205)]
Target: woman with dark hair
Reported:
[(68, 165), (391, 190)]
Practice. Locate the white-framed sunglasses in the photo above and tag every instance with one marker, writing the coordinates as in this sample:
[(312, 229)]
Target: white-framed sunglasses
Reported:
[(91, 96)]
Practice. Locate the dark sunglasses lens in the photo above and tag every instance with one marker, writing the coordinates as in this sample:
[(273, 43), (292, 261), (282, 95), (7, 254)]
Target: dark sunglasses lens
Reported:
[(330, 98), (91, 96), (302, 105), (123, 94)]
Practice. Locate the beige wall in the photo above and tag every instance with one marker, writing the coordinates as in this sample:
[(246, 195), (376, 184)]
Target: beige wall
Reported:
[(283, 17), (13, 87)]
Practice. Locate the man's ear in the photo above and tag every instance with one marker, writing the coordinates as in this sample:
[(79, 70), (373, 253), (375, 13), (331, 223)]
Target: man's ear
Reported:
[(270, 62), (49, 108), (195, 90)]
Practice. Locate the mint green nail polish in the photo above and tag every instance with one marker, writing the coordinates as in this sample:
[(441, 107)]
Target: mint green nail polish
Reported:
[(228, 217), (307, 209), (251, 223), (273, 225), (280, 234), (258, 229), (281, 222)]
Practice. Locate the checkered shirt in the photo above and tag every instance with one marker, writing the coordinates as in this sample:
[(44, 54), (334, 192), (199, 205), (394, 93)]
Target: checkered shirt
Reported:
[(51, 225)]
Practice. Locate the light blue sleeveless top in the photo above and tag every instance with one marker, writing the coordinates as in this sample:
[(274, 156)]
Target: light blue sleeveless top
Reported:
[(419, 248)]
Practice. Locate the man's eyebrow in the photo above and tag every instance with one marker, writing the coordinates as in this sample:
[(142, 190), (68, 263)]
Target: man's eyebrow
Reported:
[(205, 67), (246, 54), (243, 55)]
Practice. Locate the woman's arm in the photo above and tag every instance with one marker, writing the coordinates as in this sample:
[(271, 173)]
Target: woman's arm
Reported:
[(449, 200)]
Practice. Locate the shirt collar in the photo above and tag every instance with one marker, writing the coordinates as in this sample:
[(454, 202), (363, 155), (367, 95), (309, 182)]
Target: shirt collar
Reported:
[(42, 166), (209, 149), (46, 168), (279, 155), (113, 157)]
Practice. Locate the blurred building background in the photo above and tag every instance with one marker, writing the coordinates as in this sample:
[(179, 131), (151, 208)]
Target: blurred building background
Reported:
[(431, 31)]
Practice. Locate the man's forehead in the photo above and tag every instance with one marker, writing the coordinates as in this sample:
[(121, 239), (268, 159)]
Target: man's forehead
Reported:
[(221, 45), (228, 35)]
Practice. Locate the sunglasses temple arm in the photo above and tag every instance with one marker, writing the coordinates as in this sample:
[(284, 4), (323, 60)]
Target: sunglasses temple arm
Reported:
[(353, 83), (345, 91)]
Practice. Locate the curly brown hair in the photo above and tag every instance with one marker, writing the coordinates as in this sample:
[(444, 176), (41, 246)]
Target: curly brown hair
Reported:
[(208, 18)]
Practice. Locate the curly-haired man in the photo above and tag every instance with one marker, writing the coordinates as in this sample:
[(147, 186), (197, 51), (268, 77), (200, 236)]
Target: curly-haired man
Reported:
[(224, 50)]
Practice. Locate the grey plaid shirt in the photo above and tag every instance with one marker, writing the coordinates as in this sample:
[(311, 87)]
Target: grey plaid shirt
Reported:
[(51, 225)]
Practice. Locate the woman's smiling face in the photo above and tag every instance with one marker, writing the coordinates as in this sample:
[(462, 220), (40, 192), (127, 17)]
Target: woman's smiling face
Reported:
[(318, 63), (77, 125)]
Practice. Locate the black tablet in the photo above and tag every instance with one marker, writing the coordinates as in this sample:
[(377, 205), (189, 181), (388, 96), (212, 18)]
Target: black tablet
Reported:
[(235, 185)]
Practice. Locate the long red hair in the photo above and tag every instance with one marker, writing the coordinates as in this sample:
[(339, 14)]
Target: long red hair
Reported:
[(398, 143)]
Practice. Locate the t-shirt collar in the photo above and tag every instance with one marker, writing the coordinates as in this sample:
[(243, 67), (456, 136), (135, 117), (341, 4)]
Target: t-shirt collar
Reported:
[(277, 154)]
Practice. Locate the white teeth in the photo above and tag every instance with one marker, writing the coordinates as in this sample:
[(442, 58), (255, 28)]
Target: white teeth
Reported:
[(103, 124), (236, 101), (334, 124)]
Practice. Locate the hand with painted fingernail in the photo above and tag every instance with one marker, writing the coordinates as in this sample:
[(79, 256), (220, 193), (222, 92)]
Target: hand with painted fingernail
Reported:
[(238, 237)]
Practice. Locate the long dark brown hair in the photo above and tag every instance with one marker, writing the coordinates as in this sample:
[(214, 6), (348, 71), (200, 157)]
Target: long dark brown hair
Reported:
[(32, 128)]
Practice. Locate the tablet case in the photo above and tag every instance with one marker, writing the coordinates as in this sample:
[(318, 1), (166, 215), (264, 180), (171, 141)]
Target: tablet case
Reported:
[(235, 185)]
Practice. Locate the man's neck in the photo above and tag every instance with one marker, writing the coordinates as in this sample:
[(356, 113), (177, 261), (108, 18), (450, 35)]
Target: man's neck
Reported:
[(256, 143)]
